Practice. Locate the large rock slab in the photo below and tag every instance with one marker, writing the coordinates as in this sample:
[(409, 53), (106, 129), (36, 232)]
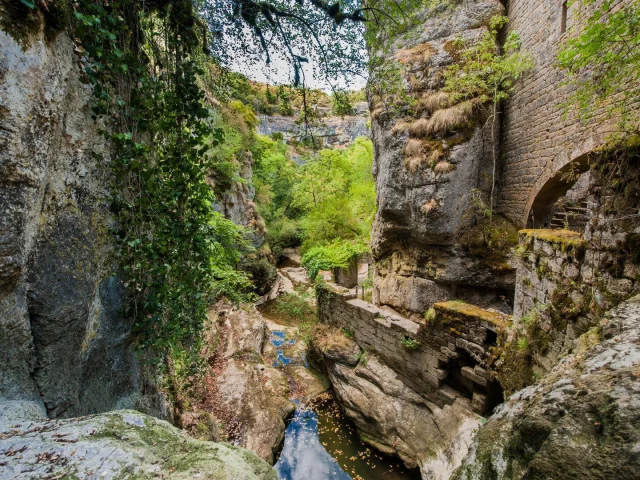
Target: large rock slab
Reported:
[(242, 398), (118, 444), (581, 421)]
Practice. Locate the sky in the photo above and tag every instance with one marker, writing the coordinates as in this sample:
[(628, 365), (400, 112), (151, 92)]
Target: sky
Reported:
[(279, 71)]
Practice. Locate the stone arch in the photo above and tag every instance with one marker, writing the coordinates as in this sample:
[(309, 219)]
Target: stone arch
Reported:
[(554, 182)]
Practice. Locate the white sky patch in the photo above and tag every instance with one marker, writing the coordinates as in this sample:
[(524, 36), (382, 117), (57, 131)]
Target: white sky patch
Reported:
[(280, 71)]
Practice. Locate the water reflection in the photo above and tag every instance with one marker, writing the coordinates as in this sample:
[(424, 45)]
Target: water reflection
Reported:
[(303, 457)]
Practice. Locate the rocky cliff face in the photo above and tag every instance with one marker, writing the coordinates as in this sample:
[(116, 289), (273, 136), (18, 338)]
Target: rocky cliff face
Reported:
[(391, 416), (433, 160), (332, 131), (62, 339), (582, 420)]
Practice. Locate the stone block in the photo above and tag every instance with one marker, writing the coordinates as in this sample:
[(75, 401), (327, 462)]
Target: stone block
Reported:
[(480, 402), (478, 370), (449, 353), (468, 372)]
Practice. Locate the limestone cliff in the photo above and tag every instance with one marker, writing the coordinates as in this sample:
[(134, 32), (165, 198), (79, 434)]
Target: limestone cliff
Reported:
[(332, 131), (433, 163), (62, 339)]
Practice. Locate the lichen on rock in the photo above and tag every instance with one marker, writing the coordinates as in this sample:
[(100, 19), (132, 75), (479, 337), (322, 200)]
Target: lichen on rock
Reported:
[(118, 444)]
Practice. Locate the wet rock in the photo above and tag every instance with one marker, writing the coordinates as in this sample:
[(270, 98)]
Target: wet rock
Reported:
[(119, 444), (582, 420)]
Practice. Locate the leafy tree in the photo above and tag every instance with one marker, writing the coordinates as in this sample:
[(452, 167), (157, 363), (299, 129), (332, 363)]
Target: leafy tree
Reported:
[(603, 62), (341, 103), (336, 194), (486, 76)]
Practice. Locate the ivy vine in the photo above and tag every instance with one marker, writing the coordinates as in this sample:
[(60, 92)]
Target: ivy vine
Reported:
[(177, 253)]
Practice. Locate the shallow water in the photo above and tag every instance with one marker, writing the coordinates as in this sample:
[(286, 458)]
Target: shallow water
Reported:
[(320, 442)]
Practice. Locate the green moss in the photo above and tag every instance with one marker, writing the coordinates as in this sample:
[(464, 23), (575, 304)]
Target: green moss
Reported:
[(567, 240), (516, 368), (462, 310), (490, 240), (20, 21), (430, 316)]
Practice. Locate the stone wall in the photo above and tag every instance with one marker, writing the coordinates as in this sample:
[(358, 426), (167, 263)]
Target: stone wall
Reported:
[(564, 284), (454, 353), (537, 141)]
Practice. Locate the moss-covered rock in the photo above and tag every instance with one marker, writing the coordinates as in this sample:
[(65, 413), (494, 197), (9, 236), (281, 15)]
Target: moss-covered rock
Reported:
[(119, 444), (581, 421)]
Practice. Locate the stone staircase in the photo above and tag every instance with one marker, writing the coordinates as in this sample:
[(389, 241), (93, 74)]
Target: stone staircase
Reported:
[(571, 217)]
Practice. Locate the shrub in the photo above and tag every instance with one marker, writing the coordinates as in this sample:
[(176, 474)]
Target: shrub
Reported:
[(338, 253), (409, 343), (430, 315)]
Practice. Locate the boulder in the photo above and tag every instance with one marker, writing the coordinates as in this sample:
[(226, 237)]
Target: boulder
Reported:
[(391, 416), (118, 444), (582, 420)]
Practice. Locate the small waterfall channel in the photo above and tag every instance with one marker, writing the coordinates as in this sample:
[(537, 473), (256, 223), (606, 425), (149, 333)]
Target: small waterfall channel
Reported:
[(320, 442)]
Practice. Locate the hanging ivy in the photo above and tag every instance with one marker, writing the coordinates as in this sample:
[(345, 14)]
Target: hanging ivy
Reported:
[(176, 252)]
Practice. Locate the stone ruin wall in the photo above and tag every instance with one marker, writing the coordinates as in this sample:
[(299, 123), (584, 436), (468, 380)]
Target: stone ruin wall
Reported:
[(537, 141), (456, 349)]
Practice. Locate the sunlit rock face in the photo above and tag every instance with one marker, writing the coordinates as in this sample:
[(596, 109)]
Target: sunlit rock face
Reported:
[(391, 416), (330, 130), (582, 420), (432, 159)]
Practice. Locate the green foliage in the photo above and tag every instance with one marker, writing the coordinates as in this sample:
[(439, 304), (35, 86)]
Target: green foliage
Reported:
[(337, 254), (523, 343), (336, 194), (483, 73), (296, 304), (430, 315), (329, 197), (347, 332), (604, 60), (176, 252), (341, 104), (409, 343)]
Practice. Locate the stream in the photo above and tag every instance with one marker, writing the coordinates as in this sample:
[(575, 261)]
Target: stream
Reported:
[(320, 442)]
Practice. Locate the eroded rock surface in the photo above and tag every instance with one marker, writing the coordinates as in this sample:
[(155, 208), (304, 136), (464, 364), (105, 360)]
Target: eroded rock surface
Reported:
[(249, 397), (428, 184), (63, 340), (118, 444), (391, 416), (581, 421)]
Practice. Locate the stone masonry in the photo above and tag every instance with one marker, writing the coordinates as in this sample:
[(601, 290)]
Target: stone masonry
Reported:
[(454, 354), (537, 141), (564, 284)]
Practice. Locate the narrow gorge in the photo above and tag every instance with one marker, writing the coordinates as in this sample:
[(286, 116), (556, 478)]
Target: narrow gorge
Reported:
[(417, 258)]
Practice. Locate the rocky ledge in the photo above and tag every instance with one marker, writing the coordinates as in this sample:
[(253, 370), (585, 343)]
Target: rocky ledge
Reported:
[(582, 420), (118, 444)]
